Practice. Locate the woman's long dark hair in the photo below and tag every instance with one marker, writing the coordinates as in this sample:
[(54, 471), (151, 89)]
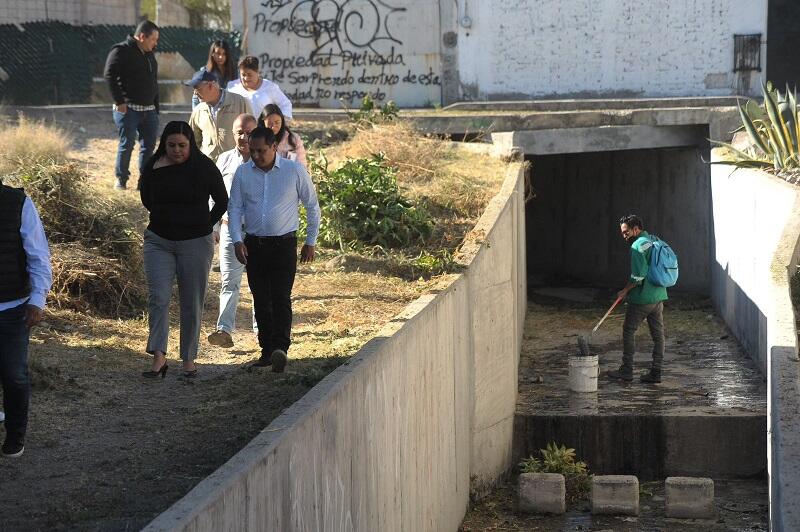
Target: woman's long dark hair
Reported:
[(272, 109), (176, 126), (228, 72)]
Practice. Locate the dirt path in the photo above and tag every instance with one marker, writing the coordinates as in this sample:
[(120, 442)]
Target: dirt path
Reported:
[(108, 450)]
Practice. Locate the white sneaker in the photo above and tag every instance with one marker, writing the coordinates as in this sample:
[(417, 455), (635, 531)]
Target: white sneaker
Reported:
[(2, 416)]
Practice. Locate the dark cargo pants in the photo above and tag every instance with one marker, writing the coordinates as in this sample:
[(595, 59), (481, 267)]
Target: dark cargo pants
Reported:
[(634, 316)]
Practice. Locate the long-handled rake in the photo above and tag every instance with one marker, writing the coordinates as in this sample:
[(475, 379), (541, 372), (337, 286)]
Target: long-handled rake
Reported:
[(583, 339)]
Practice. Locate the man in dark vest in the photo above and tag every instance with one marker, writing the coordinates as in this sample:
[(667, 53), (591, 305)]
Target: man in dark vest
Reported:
[(132, 74), (25, 278)]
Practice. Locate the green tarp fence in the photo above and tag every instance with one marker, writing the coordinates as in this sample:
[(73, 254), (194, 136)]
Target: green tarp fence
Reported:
[(53, 62)]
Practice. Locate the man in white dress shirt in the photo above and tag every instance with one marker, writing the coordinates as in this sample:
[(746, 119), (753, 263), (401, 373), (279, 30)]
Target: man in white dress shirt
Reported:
[(25, 279), (230, 268), (267, 191)]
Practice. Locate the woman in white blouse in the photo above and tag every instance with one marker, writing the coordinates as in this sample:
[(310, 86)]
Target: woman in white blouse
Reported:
[(258, 91), (290, 146)]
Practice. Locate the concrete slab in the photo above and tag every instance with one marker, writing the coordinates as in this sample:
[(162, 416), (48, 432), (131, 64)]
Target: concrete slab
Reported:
[(689, 497), (542, 493), (615, 495), (608, 138)]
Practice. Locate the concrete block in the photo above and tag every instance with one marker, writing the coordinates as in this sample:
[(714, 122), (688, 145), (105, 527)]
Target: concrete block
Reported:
[(690, 497), (615, 495), (542, 493)]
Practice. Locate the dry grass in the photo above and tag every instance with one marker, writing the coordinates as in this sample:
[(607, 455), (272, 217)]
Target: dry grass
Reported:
[(95, 244), (28, 143), (428, 167)]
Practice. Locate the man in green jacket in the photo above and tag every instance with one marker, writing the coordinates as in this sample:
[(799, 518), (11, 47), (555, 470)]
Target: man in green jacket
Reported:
[(645, 301)]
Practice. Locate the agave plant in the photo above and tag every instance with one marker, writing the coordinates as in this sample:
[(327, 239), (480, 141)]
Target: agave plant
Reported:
[(774, 132)]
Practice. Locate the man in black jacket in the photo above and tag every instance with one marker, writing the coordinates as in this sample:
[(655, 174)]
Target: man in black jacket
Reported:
[(132, 74)]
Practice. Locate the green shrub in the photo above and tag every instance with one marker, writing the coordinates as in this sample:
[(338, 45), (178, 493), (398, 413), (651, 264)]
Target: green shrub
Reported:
[(561, 460), (370, 113), (362, 204)]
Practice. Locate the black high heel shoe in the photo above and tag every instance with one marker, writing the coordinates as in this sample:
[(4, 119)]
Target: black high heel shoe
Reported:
[(153, 374)]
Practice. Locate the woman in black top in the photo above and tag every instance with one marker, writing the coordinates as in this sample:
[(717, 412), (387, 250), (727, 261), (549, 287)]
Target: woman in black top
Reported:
[(175, 186)]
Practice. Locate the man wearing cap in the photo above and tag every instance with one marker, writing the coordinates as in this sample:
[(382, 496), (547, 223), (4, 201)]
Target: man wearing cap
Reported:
[(132, 74), (25, 279), (212, 119)]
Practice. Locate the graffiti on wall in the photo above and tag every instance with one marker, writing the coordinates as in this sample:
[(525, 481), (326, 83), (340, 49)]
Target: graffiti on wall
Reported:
[(341, 50)]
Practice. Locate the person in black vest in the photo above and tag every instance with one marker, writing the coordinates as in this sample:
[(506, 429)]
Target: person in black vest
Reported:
[(132, 74), (25, 279)]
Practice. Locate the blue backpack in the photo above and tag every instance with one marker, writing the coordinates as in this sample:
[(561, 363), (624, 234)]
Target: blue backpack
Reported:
[(663, 270)]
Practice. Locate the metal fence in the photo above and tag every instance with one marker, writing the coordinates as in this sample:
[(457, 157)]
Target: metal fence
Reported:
[(45, 63)]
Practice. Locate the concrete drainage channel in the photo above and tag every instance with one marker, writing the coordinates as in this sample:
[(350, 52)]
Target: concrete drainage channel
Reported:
[(689, 452)]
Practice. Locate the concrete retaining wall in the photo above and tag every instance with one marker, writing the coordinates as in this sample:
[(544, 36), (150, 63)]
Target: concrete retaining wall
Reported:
[(757, 233), (397, 437)]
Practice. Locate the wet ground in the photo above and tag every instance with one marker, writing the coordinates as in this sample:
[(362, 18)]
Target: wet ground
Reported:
[(706, 375), (705, 371)]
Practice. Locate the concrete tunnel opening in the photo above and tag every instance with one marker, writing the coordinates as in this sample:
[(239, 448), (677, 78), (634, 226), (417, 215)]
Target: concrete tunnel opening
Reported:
[(571, 223), (584, 179)]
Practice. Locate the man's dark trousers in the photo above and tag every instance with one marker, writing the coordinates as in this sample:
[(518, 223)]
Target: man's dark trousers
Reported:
[(145, 123), (14, 335), (655, 320), (271, 268)]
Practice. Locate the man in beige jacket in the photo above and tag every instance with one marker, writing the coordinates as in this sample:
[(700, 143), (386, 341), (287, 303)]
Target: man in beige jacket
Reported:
[(212, 120)]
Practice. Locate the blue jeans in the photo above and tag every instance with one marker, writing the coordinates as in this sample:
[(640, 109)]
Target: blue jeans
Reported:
[(14, 336), (230, 270), (145, 123)]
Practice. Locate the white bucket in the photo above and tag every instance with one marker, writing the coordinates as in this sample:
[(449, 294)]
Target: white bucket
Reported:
[(583, 372)]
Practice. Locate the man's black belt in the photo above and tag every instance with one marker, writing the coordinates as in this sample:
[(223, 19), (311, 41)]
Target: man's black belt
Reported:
[(265, 239)]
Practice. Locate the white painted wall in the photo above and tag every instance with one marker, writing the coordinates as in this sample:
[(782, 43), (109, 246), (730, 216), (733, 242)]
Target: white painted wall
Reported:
[(70, 11), (505, 49), (536, 48), (321, 51)]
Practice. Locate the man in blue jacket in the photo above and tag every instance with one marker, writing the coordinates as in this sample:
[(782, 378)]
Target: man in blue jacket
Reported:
[(132, 74)]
